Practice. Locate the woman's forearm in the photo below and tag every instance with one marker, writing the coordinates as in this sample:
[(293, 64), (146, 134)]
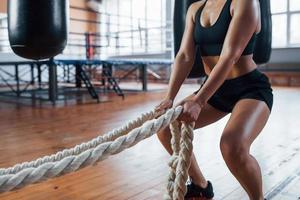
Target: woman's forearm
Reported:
[(214, 81), (181, 69)]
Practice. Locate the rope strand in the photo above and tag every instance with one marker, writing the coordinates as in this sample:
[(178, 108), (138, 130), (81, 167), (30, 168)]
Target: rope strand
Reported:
[(101, 147), (85, 154)]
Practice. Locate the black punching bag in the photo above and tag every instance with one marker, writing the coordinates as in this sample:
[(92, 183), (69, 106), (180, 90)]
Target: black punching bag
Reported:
[(38, 29), (263, 45), (180, 10)]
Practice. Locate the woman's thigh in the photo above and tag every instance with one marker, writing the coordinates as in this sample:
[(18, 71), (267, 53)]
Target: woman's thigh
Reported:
[(208, 114), (247, 120)]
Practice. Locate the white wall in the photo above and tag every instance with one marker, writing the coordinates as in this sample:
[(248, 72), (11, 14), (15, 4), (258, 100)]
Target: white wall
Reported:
[(286, 55), (287, 59)]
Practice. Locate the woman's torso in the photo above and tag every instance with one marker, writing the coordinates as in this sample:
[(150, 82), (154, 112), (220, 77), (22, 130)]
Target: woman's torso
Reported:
[(213, 17)]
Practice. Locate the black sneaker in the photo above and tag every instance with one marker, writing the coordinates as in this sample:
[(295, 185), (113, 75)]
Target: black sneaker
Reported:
[(194, 190)]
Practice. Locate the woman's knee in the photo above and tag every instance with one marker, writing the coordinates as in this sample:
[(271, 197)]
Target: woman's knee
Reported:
[(234, 149)]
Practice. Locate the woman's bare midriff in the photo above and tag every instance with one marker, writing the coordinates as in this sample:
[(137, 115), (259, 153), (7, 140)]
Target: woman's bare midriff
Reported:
[(244, 65)]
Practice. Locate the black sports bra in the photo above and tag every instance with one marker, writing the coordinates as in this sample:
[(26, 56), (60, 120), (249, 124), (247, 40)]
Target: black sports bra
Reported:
[(211, 39)]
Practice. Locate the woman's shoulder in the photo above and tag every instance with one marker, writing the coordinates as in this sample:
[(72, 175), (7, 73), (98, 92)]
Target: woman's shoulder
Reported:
[(194, 7), (235, 4)]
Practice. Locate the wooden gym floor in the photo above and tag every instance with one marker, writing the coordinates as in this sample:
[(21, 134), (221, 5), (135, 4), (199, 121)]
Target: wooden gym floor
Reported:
[(140, 173)]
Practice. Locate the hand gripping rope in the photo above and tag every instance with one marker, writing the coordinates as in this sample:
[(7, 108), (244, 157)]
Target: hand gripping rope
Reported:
[(114, 142)]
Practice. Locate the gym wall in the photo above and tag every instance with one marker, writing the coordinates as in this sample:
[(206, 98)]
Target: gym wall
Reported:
[(3, 6), (285, 55), (286, 59), (83, 15)]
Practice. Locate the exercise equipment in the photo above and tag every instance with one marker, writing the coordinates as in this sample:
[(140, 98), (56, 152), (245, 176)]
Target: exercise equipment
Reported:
[(101, 147), (38, 29), (180, 10), (263, 47)]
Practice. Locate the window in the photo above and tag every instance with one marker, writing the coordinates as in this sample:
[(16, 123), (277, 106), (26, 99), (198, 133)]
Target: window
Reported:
[(286, 23), (4, 44), (134, 26)]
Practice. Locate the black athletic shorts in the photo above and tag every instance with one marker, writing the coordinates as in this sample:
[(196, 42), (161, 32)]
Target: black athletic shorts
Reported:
[(253, 85)]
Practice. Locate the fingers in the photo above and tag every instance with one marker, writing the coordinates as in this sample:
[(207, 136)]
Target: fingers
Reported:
[(190, 112), (187, 117), (160, 107), (163, 106)]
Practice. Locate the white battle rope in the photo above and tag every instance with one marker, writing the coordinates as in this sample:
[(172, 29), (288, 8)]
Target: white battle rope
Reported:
[(182, 147), (100, 148)]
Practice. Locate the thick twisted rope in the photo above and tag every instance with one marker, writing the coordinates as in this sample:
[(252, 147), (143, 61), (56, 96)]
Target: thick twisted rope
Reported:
[(175, 145), (184, 161), (182, 146), (85, 154), (82, 147)]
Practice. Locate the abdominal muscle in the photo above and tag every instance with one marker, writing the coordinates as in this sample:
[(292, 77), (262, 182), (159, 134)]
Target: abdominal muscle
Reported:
[(244, 65)]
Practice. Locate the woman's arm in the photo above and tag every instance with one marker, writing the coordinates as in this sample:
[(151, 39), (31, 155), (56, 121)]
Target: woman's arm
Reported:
[(242, 26), (185, 57)]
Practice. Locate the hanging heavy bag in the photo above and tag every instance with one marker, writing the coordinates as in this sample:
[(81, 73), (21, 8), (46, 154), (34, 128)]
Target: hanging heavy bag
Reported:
[(180, 10), (38, 29), (263, 45)]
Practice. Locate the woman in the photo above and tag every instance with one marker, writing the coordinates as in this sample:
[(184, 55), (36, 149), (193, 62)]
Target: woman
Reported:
[(226, 31)]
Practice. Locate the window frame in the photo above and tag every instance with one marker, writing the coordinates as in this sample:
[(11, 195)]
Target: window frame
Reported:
[(288, 14), (145, 32)]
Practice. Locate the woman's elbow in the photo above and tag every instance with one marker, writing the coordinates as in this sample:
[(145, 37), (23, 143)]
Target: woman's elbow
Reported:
[(185, 58)]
